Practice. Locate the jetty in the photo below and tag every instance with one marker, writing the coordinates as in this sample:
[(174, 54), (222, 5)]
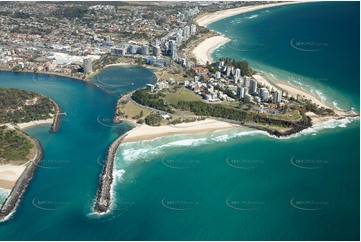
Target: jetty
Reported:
[(13, 199), (103, 199)]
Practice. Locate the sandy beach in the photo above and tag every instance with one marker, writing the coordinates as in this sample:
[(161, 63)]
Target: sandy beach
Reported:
[(294, 91), (9, 174), (291, 90), (202, 51), (33, 123), (118, 64), (144, 132), (213, 17)]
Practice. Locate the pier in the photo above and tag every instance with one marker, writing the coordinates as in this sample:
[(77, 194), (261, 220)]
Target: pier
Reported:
[(103, 199), (14, 197)]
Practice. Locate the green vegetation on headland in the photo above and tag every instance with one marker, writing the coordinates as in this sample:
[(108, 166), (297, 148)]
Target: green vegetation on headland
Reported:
[(179, 94), (18, 106), (153, 119), (176, 99), (15, 147), (232, 113), (228, 91), (145, 98)]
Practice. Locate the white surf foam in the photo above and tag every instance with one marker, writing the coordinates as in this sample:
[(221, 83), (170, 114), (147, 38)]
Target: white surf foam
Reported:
[(226, 137), (330, 124), (144, 150), (252, 16), (135, 151), (4, 193), (118, 174), (187, 142)]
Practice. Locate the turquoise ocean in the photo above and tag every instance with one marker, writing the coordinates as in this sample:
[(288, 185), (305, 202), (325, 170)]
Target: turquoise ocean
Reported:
[(238, 184)]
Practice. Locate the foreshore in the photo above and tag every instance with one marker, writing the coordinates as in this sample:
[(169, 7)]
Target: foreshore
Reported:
[(203, 50), (35, 123), (21, 183), (16, 178), (85, 80), (9, 174), (202, 54), (145, 132), (55, 121), (205, 19), (294, 91)]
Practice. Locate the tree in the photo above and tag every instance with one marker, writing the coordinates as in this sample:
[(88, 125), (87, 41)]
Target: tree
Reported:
[(153, 119)]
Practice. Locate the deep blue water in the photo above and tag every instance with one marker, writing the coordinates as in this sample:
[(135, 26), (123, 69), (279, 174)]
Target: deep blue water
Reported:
[(313, 44), (229, 185)]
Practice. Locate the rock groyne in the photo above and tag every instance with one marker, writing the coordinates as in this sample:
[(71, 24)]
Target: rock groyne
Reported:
[(103, 199)]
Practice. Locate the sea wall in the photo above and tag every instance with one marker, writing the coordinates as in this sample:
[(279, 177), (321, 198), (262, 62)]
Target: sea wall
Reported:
[(103, 199), (14, 197)]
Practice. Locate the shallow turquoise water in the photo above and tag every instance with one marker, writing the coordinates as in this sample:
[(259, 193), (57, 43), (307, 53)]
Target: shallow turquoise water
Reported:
[(313, 44), (230, 185)]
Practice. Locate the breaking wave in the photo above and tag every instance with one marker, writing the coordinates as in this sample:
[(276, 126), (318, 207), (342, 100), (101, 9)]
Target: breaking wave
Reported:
[(131, 152), (252, 16), (4, 193)]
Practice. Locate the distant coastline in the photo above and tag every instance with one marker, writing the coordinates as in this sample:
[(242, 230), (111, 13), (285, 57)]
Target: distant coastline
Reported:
[(203, 50), (208, 18)]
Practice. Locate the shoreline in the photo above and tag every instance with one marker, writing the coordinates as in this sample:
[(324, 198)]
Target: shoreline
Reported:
[(203, 50), (153, 69), (23, 126), (12, 200), (9, 175), (209, 18), (293, 90), (54, 121), (50, 73), (85, 80), (146, 132)]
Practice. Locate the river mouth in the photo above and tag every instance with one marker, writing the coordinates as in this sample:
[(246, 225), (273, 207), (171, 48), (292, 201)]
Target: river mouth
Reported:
[(81, 137)]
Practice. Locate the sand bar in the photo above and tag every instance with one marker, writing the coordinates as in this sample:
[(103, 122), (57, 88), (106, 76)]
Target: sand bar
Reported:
[(9, 174), (145, 132), (213, 17)]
